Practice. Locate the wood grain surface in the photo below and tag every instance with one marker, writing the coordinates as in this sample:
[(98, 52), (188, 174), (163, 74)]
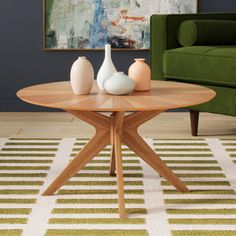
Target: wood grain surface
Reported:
[(163, 96)]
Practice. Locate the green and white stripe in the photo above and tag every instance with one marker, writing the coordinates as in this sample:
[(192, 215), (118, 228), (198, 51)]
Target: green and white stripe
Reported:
[(87, 204), (22, 173), (95, 187), (230, 147), (209, 208)]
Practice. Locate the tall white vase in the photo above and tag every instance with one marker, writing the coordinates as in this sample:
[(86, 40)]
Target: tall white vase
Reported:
[(107, 69), (81, 76)]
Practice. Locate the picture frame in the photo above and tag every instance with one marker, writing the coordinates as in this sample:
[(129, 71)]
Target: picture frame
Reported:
[(89, 24)]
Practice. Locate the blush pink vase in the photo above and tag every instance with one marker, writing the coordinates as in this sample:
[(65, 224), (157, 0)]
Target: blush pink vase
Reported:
[(140, 72)]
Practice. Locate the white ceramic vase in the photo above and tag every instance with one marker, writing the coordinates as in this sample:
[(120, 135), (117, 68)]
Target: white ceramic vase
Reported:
[(119, 84), (107, 69), (81, 76)]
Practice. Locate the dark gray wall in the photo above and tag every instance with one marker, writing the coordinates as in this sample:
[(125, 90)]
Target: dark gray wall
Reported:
[(23, 62)]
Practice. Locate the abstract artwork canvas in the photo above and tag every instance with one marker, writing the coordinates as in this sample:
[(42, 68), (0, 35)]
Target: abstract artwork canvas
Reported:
[(90, 24)]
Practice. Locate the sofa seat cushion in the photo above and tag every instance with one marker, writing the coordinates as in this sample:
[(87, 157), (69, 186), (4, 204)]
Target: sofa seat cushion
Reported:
[(212, 65)]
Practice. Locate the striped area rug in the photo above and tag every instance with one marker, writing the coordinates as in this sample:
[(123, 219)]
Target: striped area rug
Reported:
[(87, 204)]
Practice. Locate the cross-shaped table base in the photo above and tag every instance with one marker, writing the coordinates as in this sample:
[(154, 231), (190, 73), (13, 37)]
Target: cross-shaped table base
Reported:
[(115, 130)]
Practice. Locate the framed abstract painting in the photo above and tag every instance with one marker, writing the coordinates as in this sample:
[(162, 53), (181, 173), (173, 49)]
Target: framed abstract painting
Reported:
[(90, 24)]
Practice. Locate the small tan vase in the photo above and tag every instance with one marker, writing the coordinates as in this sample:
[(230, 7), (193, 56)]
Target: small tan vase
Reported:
[(140, 72), (81, 76)]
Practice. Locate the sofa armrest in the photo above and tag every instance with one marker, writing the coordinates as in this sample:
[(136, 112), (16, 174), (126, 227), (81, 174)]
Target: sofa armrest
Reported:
[(163, 35)]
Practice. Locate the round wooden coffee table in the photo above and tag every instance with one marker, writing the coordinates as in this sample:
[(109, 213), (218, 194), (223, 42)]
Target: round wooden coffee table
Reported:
[(118, 128)]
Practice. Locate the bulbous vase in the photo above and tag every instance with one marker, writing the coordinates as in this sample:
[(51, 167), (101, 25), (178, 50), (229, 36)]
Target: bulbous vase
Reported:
[(140, 72), (81, 76), (119, 84)]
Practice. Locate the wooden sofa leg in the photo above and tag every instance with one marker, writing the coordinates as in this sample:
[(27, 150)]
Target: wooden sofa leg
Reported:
[(194, 116)]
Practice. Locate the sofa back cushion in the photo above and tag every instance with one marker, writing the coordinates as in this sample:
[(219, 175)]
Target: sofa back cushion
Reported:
[(207, 32)]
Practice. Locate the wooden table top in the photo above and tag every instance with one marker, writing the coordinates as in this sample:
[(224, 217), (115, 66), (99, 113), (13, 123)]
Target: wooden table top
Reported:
[(163, 96)]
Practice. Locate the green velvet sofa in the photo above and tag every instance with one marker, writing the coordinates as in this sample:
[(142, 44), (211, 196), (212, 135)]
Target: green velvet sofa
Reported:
[(213, 66)]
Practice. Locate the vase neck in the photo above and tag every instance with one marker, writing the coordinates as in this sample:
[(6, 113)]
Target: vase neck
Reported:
[(140, 59), (108, 51)]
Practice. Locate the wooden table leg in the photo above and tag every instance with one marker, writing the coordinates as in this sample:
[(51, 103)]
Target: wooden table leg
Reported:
[(95, 145), (118, 123), (113, 161), (142, 149), (135, 142)]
